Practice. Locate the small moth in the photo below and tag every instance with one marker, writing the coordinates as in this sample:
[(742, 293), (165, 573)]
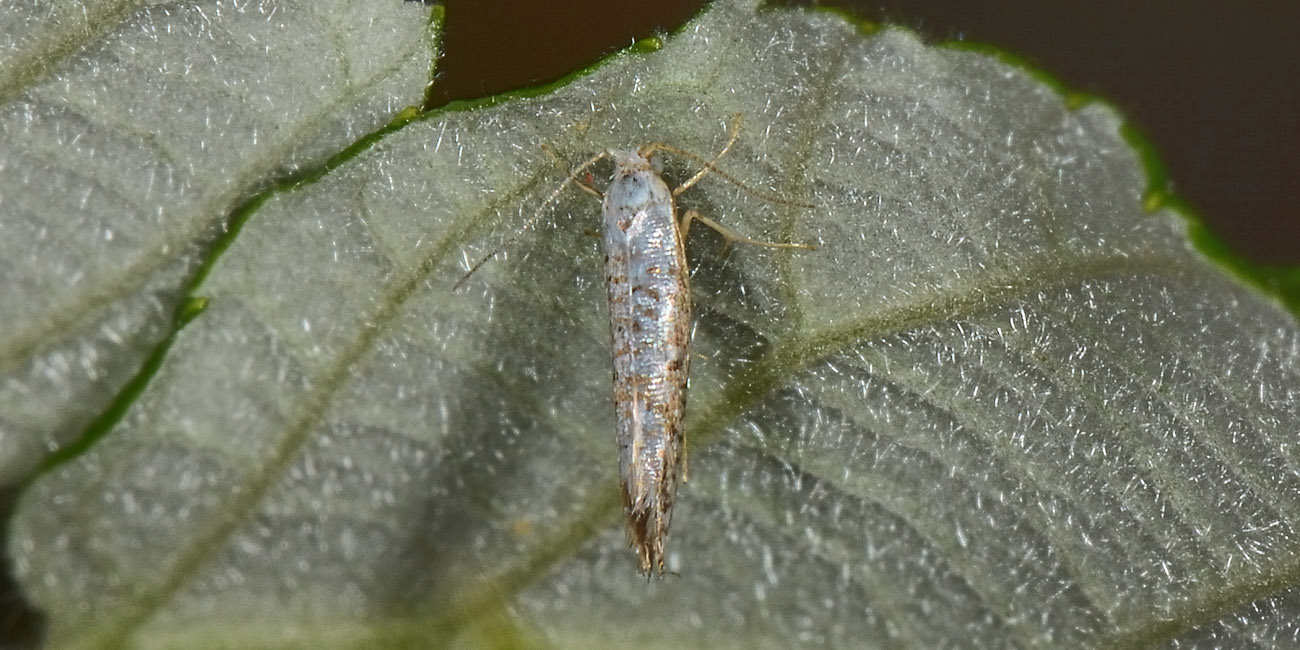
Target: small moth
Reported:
[(650, 323), (648, 287)]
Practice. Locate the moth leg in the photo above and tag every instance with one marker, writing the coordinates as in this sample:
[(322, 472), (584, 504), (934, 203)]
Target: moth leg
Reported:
[(711, 167), (712, 164), (732, 236)]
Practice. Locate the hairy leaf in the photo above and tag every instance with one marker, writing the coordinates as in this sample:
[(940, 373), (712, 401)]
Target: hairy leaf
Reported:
[(128, 134), (999, 406)]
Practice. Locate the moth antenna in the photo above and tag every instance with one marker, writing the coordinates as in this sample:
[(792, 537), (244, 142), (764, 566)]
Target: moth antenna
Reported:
[(537, 216)]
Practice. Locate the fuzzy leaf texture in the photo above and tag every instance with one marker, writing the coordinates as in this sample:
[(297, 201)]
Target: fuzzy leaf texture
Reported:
[(1000, 406)]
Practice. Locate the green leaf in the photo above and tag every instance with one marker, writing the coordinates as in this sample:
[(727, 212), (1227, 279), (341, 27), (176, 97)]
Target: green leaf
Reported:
[(130, 134), (1000, 406)]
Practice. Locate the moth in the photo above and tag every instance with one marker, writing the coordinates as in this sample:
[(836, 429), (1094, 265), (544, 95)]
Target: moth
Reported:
[(648, 287)]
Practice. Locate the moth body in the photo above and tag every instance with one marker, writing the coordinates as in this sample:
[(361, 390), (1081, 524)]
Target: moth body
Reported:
[(649, 320)]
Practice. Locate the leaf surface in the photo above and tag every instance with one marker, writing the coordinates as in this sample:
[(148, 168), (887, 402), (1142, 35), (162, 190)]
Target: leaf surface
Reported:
[(130, 132), (1000, 406)]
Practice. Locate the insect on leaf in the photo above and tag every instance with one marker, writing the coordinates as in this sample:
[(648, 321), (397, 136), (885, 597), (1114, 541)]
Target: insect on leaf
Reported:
[(999, 406)]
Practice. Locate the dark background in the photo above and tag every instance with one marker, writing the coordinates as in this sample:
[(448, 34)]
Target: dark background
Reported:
[(1214, 85)]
